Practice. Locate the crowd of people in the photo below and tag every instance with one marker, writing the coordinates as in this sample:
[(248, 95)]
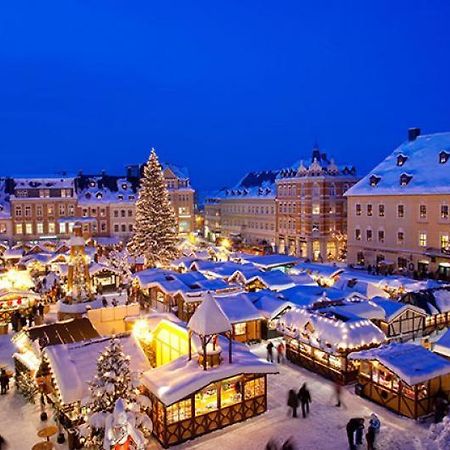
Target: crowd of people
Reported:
[(35, 316)]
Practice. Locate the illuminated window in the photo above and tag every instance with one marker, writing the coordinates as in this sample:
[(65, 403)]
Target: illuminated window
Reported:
[(206, 400), (369, 210), (381, 210), (422, 239), (230, 391), (19, 228), (445, 242), (357, 234), (39, 228), (62, 228), (316, 209), (50, 210), (358, 209), (71, 210), (51, 227), (28, 228), (254, 388), (39, 211), (444, 212), (240, 329), (179, 411)]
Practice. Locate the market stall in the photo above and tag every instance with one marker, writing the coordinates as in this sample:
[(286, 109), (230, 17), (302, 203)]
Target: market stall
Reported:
[(405, 378), (322, 341)]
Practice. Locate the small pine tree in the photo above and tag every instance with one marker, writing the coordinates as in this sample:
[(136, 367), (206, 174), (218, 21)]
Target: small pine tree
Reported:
[(112, 381), (155, 230)]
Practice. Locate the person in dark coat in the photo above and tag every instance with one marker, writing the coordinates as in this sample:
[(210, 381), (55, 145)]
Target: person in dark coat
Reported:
[(293, 402), (269, 352), (305, 399), (23, 321), (104, 302), (354, 432), (41, 309), (4, 382)]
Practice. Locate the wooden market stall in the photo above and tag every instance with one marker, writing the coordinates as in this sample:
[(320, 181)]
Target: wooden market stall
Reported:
[(405, 378), (209, 388), (322, 341)]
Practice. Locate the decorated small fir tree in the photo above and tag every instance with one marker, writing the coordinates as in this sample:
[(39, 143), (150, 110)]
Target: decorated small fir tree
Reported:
[(155, 231), (114, 381)]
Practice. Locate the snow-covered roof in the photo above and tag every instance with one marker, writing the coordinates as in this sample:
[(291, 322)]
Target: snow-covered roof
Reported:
[(442, 345), (330, 330), (238, 308), (209, 318), (420, 160), (275, 280), (95, 268), (306, 295), (324, 270), (178, 379), (270, 261), (393, 308), (74, 365), (269, 305), (12, 253), (412, 363)]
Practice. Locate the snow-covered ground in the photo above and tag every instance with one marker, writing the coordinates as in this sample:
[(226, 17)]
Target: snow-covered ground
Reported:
[(323, 429)]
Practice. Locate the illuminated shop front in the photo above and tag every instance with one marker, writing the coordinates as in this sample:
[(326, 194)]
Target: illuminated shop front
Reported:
[(404, 378)]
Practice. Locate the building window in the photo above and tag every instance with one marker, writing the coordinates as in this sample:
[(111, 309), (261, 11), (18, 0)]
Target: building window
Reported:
[(423, 211), (358, 209), (116, 213), (240, 329), (18, 211), (443, 157), (369, 210), (84, 212), (122, 213), (400, 237), (28, 228), (332, 190), (71, 210), (130, 227), (369, 235), (62, 228), (51, 227), (381, 235), (102, 226), (19, 228), (357, 234), (402, 263), (124, 228), (62, 210), (315, 227), (400, 211), (316, 190), (28, 211), (422, 239), (116, 227), (374, 180), (184, 210), (401, 159), (445, 242), (50, 210), (39, 228), (44, 193), (381, 210), (405, 179), (39, 211), (316, 209), (102, 212), (444, 212)]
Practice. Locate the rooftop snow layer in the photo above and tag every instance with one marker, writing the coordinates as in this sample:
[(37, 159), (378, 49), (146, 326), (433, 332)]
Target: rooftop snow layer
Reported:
[(422, 163), (414, 364)]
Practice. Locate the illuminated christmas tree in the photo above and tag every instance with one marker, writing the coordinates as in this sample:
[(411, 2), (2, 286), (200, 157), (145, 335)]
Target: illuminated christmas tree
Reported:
[(155, 231)]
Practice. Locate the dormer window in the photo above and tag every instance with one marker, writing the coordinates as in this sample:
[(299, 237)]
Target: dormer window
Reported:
[(443, 157), (99, 195), (374, 180), (131, 197), (124, 186), (120, 197), (88, 195), (401, 159), (405, 179), (92, 184)]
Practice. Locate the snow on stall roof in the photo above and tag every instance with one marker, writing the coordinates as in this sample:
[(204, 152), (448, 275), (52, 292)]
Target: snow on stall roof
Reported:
[(442, 345), (393, 308), (422, 163), (275, 280), (238, 308), (178, 379), (209, 318), (270, 306), (270, 261), (413, 363), (442, 297), (305, 295), (330, 330), (74, 365), (363, 309)]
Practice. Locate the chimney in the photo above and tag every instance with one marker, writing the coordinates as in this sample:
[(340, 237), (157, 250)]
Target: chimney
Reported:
[(413, 134)]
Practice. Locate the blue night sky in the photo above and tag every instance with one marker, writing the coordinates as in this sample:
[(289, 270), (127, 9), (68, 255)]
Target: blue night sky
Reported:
[(221, 87)]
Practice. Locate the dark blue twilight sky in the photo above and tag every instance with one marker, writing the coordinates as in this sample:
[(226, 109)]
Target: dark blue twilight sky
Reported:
[(221, 87)]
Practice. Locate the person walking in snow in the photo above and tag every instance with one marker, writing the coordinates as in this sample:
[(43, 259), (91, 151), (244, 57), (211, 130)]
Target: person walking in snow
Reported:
[(354, 433), (4, 382), (372, 431), (280, 352), (293, 402), (305, 399), (338, 393), (270, 351)]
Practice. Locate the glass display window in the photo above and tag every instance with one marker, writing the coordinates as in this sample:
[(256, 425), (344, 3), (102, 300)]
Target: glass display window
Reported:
[(231, 391), (254, 388), (240, 329), (179, 411), (206, 400)]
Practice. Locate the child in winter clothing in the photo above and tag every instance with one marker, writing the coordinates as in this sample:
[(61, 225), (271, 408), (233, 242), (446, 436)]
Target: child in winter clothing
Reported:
[(372, 431)]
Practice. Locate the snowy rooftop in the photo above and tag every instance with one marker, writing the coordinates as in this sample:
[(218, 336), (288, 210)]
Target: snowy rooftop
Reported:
[(269, 305), (270, 261), (442, 345), (181, 377), (209, 318), (306, 295), (419, 161), (331, 331), (74, 365), (275, 280), (238, 308), (412, 363)]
